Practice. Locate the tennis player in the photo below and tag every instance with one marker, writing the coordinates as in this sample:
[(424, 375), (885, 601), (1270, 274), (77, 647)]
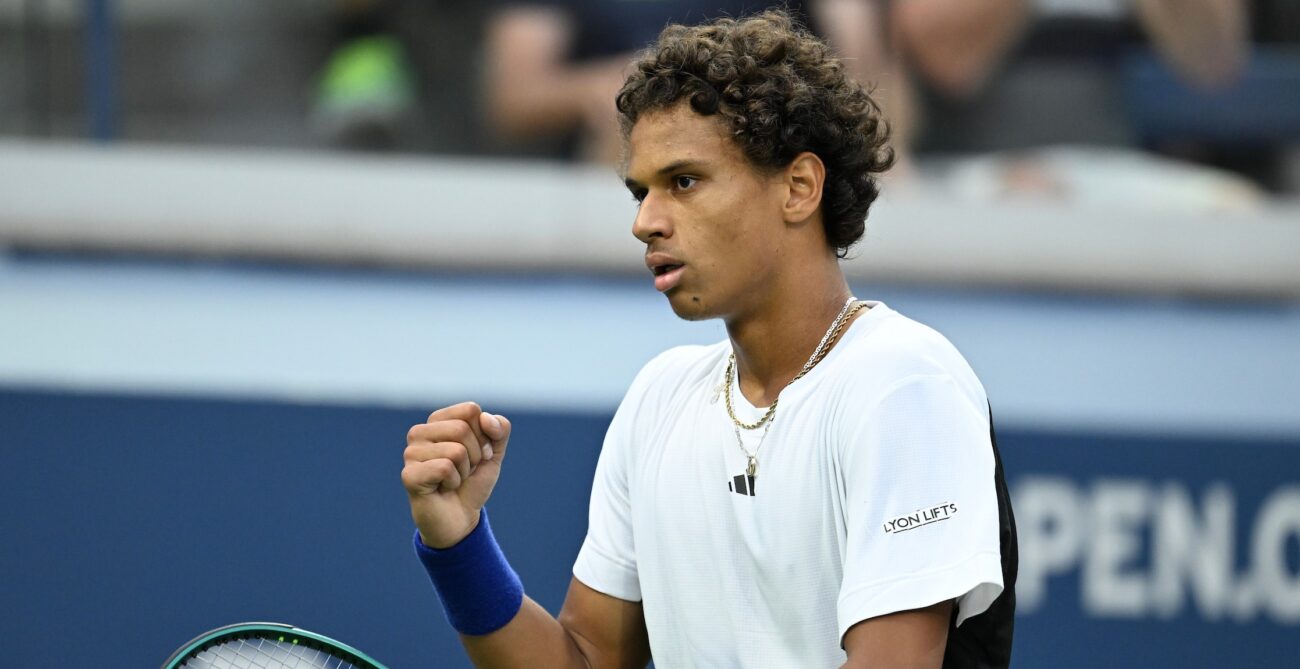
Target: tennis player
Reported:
[(821, 489)]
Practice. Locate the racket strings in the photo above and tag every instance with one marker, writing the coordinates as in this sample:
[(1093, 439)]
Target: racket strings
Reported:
[(265, 653)]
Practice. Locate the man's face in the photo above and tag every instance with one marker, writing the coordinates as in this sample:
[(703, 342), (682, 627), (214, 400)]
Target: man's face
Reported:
[(712, 223)]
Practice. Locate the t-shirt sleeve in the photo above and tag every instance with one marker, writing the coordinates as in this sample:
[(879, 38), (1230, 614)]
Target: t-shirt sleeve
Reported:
[(607, 560), (920, 503)]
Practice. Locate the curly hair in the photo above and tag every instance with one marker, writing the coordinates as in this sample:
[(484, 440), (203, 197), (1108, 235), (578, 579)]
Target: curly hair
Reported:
[(780, 92)]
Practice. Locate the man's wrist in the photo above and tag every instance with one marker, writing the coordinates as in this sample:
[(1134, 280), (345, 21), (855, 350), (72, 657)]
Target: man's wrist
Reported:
[(447, 545), (479, 591)]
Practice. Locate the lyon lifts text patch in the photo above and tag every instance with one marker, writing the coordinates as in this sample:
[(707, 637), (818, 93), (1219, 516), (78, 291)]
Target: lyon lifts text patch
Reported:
[(920, 518)]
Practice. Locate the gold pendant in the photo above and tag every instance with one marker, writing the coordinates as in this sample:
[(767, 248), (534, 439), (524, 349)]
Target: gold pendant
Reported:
[(752, 470)]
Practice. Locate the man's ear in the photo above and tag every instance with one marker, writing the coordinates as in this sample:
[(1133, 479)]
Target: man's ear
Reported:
[(804, 177)]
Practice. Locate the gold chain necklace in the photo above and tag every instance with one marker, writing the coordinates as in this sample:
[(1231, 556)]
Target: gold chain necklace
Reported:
[(851, 307)]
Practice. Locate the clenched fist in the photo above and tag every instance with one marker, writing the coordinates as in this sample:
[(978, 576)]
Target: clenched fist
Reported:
[(452, 463)]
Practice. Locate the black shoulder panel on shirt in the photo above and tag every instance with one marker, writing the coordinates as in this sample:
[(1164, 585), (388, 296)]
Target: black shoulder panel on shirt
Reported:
[(984, 641)]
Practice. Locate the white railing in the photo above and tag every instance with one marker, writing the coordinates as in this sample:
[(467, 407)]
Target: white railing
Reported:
[(465, 213)]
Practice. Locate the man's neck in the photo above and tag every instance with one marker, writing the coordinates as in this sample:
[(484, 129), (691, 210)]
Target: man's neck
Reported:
[(773, 343)]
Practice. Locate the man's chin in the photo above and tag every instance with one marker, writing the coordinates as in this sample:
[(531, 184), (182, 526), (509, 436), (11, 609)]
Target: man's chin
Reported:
[(689, 307)]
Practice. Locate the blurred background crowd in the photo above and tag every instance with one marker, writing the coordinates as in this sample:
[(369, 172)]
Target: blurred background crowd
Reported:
[(1058, 93), (245, 244)]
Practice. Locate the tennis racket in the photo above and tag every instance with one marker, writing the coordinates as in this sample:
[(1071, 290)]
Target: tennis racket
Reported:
[(267, 646)]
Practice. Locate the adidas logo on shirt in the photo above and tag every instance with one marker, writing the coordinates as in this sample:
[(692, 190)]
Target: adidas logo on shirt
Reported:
[(742, 484)]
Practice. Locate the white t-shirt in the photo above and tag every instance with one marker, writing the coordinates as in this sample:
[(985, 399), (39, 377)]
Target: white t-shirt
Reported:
[(874, 494)]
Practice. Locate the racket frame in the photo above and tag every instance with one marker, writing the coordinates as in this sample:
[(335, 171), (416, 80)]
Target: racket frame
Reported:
[(277, 629)]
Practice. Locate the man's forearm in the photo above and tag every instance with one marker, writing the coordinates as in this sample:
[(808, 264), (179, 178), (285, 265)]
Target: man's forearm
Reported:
[(859, 31), (957, 43), (539, 103), (533, 638), (1205, 41), (531, 88)]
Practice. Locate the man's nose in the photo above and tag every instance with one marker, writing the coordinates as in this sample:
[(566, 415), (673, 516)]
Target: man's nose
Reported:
[(652, 220)]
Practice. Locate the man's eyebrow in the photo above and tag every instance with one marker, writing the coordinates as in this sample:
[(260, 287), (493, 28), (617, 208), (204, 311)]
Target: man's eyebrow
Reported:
[(674, 166)]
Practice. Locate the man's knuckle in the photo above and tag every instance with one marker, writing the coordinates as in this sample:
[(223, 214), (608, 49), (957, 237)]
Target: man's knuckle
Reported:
[(462, 431)]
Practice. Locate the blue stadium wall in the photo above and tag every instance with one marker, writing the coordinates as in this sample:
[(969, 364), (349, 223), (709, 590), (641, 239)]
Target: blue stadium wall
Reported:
[(135, 518)]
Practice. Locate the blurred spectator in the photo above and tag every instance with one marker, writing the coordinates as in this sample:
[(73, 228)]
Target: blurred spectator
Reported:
[(954, 45), (402, 74), (1179, 77), (1204, 41), (554, 66), (365, 90), (1062, 79)]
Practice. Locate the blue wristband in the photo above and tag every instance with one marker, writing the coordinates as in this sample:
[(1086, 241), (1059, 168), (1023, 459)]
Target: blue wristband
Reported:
[(480, 593)]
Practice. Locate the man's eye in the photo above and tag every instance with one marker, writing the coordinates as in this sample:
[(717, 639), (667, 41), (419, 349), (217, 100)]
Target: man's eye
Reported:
[(684, 182), (638, 195)]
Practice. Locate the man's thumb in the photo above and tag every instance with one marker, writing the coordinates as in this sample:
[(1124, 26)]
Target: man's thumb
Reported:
[(497, 428)]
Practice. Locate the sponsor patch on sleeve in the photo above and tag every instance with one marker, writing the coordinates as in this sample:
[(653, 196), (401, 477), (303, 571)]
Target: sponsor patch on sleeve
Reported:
[(920, 518)]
